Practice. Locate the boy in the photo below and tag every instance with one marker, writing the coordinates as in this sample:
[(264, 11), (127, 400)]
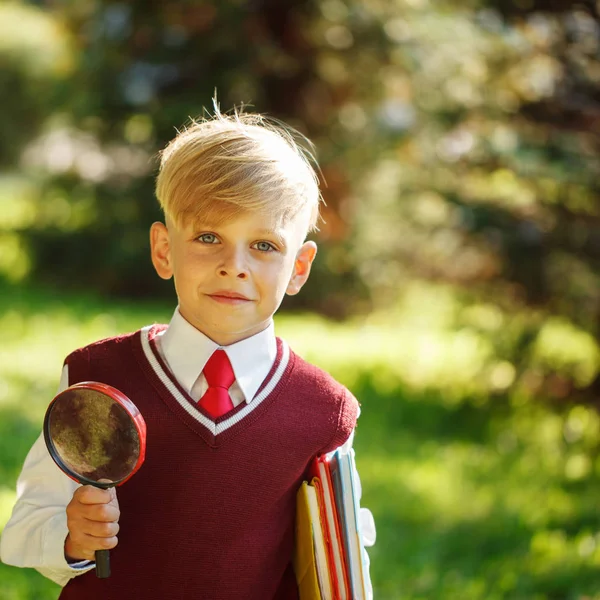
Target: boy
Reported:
[(233, 416)]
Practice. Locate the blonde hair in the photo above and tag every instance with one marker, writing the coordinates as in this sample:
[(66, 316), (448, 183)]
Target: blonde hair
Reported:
[(221, 166)]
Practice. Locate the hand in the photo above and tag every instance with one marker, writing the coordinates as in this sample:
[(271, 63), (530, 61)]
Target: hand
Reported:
[(92, 520)]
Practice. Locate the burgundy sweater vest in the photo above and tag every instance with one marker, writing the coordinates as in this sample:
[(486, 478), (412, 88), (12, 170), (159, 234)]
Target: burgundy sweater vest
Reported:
[(210, 514)]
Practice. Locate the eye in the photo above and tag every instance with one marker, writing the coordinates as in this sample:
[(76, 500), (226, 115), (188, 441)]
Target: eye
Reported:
[(208, 238), (264, 246)]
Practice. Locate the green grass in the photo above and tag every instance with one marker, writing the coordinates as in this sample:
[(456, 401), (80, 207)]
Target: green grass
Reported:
[(474, 497)]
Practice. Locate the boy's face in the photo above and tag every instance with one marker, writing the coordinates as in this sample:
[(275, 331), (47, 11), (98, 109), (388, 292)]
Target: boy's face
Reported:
[(231, 278)]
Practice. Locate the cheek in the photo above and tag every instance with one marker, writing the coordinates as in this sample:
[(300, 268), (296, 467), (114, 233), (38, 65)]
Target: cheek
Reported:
[(192, 264), (274, 279), (284, 280)]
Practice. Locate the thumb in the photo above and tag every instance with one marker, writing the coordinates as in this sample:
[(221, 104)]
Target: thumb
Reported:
[(111, 490), (113, 497)]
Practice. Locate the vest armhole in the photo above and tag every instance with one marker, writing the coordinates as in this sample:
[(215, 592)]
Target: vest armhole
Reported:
[(78, 363), (346, 422)]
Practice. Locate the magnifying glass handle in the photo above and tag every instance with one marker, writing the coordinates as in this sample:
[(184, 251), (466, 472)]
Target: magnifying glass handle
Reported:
[(102, 564)]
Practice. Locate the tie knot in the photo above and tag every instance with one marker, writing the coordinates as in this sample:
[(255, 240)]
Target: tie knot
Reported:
[(218, 370)]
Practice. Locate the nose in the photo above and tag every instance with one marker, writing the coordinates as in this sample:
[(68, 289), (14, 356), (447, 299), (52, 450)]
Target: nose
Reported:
[(234, 265)]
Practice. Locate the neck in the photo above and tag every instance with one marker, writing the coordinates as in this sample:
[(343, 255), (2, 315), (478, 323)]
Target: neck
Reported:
[(229, 338)]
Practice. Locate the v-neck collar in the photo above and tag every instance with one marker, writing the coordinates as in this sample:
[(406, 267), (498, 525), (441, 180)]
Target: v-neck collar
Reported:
[(185, 350), (179, 401)]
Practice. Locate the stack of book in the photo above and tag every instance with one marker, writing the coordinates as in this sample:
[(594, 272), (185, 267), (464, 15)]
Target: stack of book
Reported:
[(329, 559)]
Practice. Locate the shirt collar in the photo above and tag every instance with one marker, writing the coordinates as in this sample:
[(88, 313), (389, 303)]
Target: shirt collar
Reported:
[(186, 350)]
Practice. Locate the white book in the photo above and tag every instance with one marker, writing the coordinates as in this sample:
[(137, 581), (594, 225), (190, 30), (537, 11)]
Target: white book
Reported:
[(348, 507)]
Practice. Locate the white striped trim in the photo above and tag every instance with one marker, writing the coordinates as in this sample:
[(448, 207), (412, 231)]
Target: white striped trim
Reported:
[(189, 408)]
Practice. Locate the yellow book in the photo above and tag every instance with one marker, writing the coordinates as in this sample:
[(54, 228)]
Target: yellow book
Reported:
[(310, 556)]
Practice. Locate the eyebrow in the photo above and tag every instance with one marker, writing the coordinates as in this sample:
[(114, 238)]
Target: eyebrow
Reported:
[(271, 233), (274, 232)]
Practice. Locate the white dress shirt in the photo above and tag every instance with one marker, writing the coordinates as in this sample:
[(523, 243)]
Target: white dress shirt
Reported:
[(34, 535)]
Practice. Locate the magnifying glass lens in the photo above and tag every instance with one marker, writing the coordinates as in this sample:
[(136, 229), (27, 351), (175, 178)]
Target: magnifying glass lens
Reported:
[(93, 436)]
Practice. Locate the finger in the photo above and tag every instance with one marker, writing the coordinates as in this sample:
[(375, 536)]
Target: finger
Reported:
[(80, 546), (77, 512), (101, 543), (105, 513), (88, 494), (112, 492), (97, 529), (114, 501), (87, 548)]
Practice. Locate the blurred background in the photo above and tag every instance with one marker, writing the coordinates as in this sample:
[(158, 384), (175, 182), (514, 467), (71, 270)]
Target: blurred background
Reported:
[(456, 291)]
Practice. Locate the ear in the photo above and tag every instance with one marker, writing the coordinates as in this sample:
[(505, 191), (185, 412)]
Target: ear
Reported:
[(160, 250), (302, 264)]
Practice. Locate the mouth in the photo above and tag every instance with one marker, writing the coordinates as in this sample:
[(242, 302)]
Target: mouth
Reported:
[(229, 297)]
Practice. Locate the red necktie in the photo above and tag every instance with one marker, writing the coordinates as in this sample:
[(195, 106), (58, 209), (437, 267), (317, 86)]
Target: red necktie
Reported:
[(219, 376)]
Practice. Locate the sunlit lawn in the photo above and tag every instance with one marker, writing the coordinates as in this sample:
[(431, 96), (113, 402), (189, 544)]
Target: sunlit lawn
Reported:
[(472, 499)]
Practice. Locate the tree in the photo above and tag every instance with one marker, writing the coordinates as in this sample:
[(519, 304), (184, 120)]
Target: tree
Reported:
[(458, 140)]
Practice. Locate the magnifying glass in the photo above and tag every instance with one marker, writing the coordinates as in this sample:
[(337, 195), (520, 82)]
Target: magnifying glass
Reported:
[(97, 436)]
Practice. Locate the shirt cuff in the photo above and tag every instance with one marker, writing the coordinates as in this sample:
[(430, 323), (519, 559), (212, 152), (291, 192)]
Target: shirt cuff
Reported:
[(81, 564), (54, 548)]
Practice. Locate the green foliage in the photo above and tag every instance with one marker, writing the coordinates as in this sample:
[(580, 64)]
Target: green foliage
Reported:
[(472, 499), (34, 57), (456, 141)]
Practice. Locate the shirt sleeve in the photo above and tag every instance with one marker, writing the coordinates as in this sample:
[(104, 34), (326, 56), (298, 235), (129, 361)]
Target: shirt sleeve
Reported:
[(35, 533), (366, 521)]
